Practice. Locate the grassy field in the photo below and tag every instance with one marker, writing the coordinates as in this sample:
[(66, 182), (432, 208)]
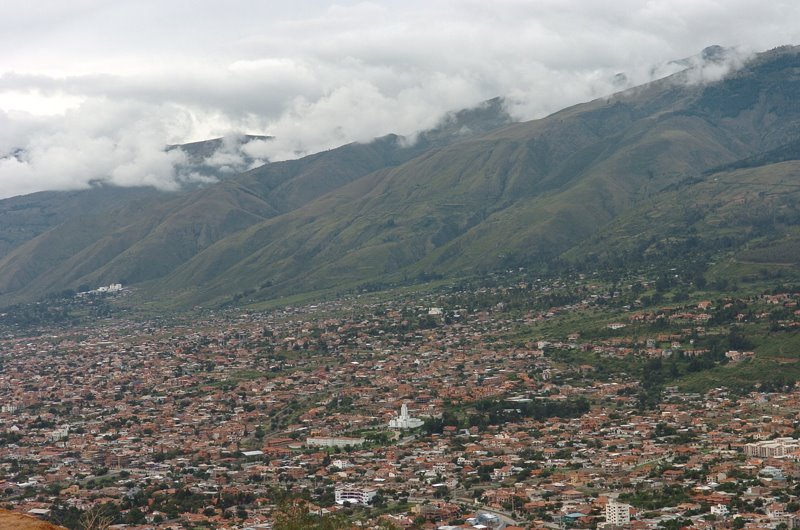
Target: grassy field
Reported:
[(776, 362)]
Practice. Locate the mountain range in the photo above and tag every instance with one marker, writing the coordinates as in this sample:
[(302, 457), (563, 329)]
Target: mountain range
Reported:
[(677, 166)]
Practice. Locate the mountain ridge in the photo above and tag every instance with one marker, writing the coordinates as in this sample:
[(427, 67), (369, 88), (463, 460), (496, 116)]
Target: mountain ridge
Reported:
[(513, 195), (79, 252)]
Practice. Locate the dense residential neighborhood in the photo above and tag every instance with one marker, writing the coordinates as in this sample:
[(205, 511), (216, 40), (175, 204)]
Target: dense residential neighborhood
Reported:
[(462, 408), (371, 265)]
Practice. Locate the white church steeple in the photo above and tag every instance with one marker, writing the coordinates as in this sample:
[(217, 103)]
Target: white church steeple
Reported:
[(404, 421)]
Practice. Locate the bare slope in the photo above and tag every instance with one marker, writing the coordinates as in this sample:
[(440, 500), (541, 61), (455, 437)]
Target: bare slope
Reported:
[(17, 521)]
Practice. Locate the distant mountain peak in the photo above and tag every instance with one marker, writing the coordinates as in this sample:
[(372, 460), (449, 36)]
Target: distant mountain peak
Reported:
[(474, 121), (216, 159), (715, 53)]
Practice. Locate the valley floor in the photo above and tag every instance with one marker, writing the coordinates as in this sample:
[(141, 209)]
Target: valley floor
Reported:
[(542, 402)]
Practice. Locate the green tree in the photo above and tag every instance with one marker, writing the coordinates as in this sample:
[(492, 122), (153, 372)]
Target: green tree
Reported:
[(294, 515)]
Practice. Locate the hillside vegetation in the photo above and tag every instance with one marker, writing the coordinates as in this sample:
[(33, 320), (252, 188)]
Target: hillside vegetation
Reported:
[(670, 168)]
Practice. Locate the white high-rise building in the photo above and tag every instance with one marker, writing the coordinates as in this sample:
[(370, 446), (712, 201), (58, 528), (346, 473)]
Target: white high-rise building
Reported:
[(617, 514), (404, 421)]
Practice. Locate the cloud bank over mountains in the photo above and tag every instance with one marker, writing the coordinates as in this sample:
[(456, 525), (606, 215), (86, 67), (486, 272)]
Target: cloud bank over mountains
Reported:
[(95, 90)]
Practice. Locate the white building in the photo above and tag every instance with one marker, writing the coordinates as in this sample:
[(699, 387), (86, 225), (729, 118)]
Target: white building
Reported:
[(59, 433), (617, 514), (485, 520), (331, 441), (341, 464), (113, 288), (777, 448), (354, 494), (404, 421)]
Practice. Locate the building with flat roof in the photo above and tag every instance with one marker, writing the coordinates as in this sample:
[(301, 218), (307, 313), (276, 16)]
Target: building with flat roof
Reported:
[(354, 494), (777, 448), (617, 513), (331, 441)]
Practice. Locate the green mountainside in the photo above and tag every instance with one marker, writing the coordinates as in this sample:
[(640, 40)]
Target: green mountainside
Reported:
[(132, 240), (668, 169), (520, 195), (24, 217), (754, 211)]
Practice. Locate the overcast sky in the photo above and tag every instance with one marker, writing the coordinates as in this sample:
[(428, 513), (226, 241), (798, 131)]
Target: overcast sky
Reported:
[(92, 90)]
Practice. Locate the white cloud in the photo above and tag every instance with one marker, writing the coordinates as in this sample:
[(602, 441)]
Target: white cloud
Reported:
[(101, 141), (106, 84), (231, 157)]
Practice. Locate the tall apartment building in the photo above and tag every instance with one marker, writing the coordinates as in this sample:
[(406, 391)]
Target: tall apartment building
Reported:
[(617, 513)]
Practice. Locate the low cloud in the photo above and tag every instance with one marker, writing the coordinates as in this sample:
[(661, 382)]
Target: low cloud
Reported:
[(230, 157), (99, 143), (714, 63), (319, 75)]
